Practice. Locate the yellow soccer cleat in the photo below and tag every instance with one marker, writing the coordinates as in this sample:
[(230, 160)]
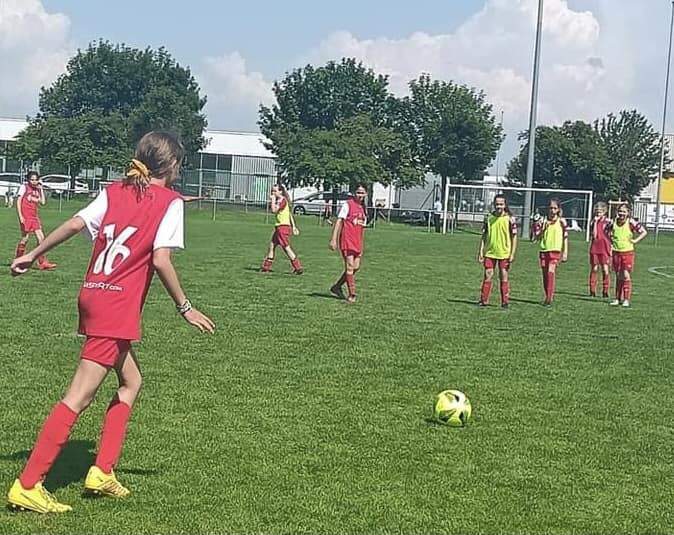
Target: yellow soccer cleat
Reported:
[(102, 484), (37, 499)]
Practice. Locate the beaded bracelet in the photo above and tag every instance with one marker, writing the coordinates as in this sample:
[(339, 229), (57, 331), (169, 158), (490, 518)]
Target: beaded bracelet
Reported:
[(184, 308)]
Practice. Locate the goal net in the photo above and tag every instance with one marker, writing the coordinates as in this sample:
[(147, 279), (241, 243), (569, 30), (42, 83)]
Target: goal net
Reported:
[(466, 205)]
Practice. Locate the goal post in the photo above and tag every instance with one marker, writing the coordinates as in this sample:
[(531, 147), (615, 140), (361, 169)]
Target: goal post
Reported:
[(467, 204)]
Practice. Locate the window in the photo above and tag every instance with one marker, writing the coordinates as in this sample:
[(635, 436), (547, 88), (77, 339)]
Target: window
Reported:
[(209, 161), (224, 162)]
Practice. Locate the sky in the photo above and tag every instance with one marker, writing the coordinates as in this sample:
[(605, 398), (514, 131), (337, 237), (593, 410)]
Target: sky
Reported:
[(598, 56)]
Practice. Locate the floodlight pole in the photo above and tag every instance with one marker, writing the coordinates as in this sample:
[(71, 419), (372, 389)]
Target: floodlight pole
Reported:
[(532, 123), (664, 122)]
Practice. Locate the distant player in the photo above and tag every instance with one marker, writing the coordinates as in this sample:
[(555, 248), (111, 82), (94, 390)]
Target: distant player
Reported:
[(600, 249), (622, 232), (284, 227), (553, 234), (134, 225), (30, 198), (347, 236), (497, 249)]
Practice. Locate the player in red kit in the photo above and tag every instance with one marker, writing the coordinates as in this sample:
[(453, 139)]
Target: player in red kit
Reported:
[(134, 225), (347, 235), (30, 197), (600, 249)]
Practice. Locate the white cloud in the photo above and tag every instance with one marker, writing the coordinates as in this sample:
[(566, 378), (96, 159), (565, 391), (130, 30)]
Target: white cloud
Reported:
[(234, 93), (34, 50)]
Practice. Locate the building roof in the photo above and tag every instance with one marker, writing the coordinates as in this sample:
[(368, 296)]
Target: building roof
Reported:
[(236, 143), (218, 141)]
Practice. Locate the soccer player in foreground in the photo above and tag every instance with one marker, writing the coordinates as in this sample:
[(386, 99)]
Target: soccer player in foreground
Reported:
[(600, 249), (347, 235), (497, 248), (284, 227), (622, 232), (30, 197), (134, 225), (553, 234)]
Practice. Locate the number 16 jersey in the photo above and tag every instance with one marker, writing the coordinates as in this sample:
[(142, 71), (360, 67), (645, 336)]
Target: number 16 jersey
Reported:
[(125, 228)]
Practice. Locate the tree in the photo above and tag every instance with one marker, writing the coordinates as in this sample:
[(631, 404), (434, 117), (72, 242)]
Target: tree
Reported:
[(109, 97), (453, 127), (633, 148), (571, 156), (333, 125)]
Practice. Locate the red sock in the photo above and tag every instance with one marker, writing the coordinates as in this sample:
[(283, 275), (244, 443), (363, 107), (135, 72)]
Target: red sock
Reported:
[(20, 249), (112, 436), (50, 441), (550, 292), (351, 285), (485, 291), (545, 282), (593, 281), (605, 283), (266, 264), (619, 289), (505, 292), (296, 264), (627, 289)]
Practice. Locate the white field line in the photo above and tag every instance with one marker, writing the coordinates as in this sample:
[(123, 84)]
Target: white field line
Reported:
[(657, 270)]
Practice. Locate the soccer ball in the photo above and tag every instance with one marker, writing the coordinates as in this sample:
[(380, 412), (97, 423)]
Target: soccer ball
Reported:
[(452, 408)]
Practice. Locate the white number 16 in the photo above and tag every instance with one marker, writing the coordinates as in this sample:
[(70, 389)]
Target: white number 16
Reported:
[(114, 247)]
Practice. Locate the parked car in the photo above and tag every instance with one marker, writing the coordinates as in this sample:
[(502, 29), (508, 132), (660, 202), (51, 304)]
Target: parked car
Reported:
[(315, 203), (10, 182), (61, 183)]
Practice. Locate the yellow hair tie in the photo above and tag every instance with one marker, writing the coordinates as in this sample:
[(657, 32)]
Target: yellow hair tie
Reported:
[(139, 169)]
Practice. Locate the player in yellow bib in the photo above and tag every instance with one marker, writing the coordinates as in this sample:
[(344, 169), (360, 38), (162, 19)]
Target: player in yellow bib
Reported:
[(622, 232), (284, 227), (553, 235), (497, 248)]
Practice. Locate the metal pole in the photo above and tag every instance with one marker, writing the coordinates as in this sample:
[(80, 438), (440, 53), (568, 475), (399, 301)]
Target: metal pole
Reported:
[(588, 215), (532, 121), (498, 154), (444, 219), (664, 122)]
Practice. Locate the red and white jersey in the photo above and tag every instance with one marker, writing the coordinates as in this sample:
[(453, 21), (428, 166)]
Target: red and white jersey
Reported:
[(29, 197), (353, 214), (125, 229), (600, 234)]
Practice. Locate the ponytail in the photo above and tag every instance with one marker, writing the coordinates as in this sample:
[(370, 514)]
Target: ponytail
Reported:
[(138, 176)]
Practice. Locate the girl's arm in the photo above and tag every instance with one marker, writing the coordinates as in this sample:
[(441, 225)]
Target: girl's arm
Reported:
[(18, 207), (642, 234), (274, 205), (296, 229), (513, 248), (161, 260), (336, 231), (63, 233), (480, 252), (43, 200)]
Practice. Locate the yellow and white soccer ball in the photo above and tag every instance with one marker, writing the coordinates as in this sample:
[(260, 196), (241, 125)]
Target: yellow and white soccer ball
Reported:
[(452, 408)]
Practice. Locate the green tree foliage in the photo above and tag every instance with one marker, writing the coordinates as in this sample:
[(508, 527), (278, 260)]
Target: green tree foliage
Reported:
[(453, 127), (334, 125), (616, 157), (109, 97), (633, 148)]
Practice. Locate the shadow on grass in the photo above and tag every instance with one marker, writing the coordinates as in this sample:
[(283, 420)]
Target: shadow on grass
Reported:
[(324, 295), (464, 302), (572, 294), (525, 301), (73, 464), (253, 269)]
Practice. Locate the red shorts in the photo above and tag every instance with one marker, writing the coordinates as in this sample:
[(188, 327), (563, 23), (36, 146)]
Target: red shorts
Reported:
[(623, 261), (351, 252), (104, 351), (600, 259), (549, 258), (491, 263), (281, 235), (30, 224)]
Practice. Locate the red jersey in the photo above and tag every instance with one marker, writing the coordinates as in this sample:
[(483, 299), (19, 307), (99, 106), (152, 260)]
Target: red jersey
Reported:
[(354, 217), (600, 234), (126, 230), (30, 200)]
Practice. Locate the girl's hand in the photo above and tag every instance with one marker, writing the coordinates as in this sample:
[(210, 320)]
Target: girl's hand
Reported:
[(565, 256), (22, 264), (511, 259), (198, 320), (480, 258), (296, 231), (333, 245)]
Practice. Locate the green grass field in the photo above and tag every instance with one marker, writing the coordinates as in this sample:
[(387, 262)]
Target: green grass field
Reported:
[(303, 414)]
